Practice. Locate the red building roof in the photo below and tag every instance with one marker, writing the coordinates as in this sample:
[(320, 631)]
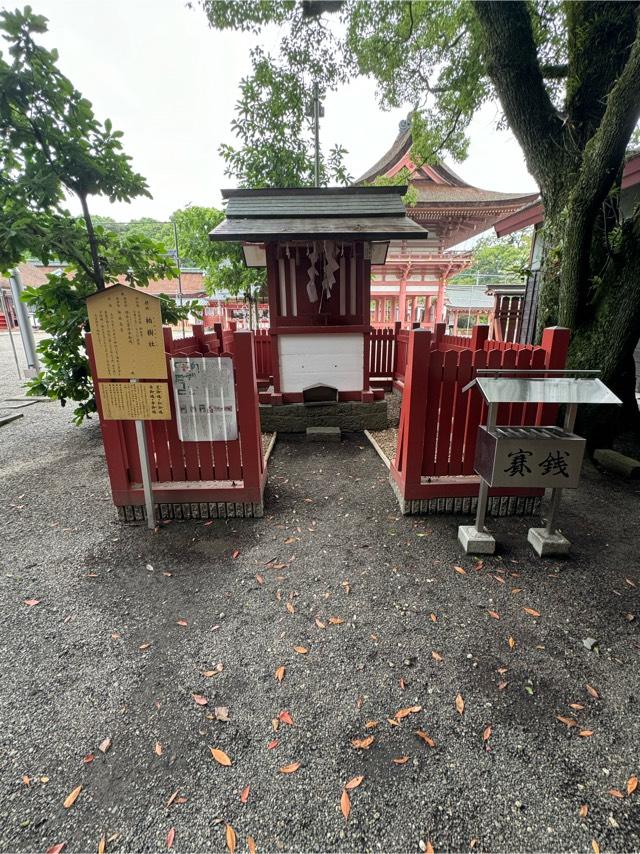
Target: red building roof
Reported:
[(447, 206)]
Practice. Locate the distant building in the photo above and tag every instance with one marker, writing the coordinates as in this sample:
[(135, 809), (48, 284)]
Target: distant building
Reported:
[(411, 286)]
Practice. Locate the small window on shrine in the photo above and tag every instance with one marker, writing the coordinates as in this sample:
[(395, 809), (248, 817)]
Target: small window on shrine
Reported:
[(387, 311)]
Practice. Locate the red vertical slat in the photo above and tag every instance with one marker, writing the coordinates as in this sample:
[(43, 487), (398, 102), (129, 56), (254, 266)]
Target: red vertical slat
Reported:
[(434, 387), (461, 405), (447, 398), (508, 360), (474, 413), (523, 361)]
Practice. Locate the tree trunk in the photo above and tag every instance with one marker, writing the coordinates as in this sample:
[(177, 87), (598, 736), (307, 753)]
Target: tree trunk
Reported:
[(98, 272)]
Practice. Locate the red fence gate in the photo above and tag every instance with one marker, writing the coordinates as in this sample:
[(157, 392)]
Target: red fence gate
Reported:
[(433, 467), (198, 480)]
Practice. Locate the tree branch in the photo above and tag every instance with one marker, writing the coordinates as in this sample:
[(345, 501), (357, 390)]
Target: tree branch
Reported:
[(512, 64), (554, 71)]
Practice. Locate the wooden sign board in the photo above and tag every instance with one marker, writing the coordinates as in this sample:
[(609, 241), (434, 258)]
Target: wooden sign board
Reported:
[(205, 398), (135, 401), (126, 332), (529, 456)]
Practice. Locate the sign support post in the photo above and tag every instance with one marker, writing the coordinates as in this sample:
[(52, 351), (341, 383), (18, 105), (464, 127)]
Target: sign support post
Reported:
[(143, 453)]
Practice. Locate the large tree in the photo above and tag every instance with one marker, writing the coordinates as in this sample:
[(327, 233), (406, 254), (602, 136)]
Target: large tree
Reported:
[(567, 76), (52, 146)]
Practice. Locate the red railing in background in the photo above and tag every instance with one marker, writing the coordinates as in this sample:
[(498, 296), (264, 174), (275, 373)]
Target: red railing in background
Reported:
[(194, 472), (439, 424)]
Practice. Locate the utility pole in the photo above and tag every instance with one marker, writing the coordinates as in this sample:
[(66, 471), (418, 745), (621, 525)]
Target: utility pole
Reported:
[(316, 112), (175, 239), (24, 325)]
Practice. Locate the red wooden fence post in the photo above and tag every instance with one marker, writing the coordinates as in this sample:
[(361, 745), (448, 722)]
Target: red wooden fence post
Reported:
[(414, 403), (248, 414), (479, 335), (555, 342), (441, 329), (397, 326)]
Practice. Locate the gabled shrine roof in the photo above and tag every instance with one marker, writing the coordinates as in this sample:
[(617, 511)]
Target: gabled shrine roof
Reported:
[(438, 185), (309, 213)]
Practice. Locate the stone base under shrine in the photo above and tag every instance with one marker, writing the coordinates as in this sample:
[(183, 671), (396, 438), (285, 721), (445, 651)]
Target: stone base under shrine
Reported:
[(351, 416), (133, 513)]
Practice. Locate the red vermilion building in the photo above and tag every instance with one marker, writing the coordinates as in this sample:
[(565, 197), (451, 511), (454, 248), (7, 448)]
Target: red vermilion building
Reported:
[(411, 286)]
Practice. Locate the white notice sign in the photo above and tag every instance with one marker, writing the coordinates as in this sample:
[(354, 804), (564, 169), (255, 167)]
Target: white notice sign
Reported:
[(205, 398)]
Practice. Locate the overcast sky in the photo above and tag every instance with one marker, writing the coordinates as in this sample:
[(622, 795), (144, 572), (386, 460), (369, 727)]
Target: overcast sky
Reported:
[(170, 83)]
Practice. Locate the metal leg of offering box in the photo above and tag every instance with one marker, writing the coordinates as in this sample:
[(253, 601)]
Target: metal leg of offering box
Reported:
[(548, 540), (475, 539)]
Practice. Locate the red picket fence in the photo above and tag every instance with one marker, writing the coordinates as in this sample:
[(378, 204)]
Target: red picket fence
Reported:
[(381, 353), (439, 424), (192, 479), (264, 355)]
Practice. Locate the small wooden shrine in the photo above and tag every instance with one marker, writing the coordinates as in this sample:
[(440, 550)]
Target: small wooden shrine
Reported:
[(318, 246)]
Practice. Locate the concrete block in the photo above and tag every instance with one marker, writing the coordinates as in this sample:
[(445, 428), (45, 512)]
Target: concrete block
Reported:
[(323, 434), (548, 544), (476, 542), (617, 463), (7, 419)]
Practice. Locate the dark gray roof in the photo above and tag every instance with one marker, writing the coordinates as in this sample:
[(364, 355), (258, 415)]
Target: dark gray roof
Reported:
[(312, 228), (314, 202), (339, 213)]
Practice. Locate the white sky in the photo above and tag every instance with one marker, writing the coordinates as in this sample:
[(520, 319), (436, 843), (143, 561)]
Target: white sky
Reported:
[(170, 83)]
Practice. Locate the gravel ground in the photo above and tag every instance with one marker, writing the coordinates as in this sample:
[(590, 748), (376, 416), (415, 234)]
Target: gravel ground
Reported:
[(105, 654)]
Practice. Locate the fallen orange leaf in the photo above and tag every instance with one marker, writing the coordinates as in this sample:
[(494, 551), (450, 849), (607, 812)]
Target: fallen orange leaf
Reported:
[(615, 793), (486, 735), (336, 621), (363, 743), (72, 797), (436, 656), (320, 624), (401, 760), (230, 836), (512, 643), (426, 738), (290, 608), (199, 699), (104, 745), (586, 733), (285, 718), (279, 674), (251, 845), (494, 614), (273, 744), (584, 809), (220, 756), (460, 570), (158, 749), (354, 782), (531, 612), (459, 704), (56, 849), (632, 784), (244, 796), (567, 721), (592, 691), (403, 713), (345, 804), (102, 845), (301, 650), (182, 623), (371, 724), (428, 848), (289, 769), (31, 603), (595, 846)]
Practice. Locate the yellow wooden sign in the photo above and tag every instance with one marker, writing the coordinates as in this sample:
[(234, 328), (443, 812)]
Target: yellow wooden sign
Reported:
[(126, 332), (135, 401)]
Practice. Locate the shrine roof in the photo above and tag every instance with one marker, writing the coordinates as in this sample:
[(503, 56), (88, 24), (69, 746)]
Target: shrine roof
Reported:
[(437, 185), (467, 296), (365, 213)]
